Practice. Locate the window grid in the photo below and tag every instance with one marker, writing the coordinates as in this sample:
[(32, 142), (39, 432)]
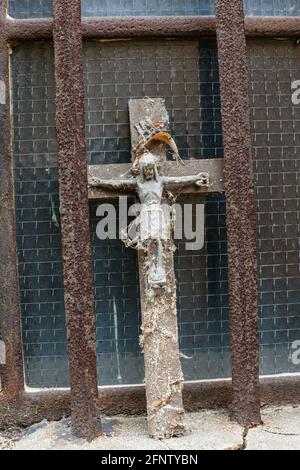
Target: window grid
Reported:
[(43, 8)]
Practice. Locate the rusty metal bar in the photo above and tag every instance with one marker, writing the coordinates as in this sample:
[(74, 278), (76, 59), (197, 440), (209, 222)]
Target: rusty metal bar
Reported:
[(55, 404), (272, 26), (76, 238), (11, 360), (134, 27), (241, 211), (118, 27)]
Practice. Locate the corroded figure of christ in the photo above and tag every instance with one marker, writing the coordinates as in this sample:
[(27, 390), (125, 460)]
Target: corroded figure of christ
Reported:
[(152, 226)]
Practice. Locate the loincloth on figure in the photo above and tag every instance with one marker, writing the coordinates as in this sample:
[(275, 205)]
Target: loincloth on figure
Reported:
[(153, 224)]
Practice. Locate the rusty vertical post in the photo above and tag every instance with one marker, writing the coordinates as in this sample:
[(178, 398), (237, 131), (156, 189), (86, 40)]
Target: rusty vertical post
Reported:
[(11, 360), (76, 237), (241, 210)]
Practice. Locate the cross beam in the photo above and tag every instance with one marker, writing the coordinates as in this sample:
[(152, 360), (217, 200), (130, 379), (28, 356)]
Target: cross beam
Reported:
[(212, 166)]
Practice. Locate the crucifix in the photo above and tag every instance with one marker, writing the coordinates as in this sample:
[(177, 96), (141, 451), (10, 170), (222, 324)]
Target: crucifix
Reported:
[(156, 182)]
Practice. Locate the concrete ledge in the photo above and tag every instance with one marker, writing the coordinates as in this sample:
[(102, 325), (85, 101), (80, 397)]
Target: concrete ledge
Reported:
[(206, 430), (54, 404), (280, 431)]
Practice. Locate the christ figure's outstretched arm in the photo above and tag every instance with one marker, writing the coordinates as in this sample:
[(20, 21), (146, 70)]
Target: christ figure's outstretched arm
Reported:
[(202, 179), (115, 185)]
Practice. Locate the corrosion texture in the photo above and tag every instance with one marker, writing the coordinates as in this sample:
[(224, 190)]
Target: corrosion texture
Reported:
[(11, 358), (133, 27), (241, 211), (54, 405), (75, 224)]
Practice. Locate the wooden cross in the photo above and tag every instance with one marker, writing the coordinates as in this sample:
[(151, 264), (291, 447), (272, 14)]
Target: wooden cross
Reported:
[(164, 380)]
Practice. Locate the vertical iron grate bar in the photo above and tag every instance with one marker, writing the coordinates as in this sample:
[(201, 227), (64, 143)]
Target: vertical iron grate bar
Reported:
[(241, 210), (76, 238), (11, 360)]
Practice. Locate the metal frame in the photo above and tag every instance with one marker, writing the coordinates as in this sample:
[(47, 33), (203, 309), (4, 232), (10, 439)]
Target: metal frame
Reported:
[(12, 381), (18, 407), (75, 226), (241, 211), (151, 26), (53, 405)]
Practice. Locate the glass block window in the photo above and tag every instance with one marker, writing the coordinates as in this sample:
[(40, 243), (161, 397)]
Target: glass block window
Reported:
[(272, 7), (275, 120), (117, 305), (147, 7), (30, 8), (186, 75), (43, 8), (184, 7), (202, 276), (37, 215), (202, 298)]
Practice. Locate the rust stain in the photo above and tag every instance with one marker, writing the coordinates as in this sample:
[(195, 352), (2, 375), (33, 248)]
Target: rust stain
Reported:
[(55, 404), (134, 27), (76, 237), (241, 211), (12, 382)]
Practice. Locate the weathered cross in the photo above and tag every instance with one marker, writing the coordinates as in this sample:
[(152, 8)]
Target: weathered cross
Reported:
[(153, 180)]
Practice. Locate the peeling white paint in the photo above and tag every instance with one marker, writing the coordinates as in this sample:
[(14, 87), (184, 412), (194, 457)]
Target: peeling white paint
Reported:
[(2, 92), (2, 353)]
